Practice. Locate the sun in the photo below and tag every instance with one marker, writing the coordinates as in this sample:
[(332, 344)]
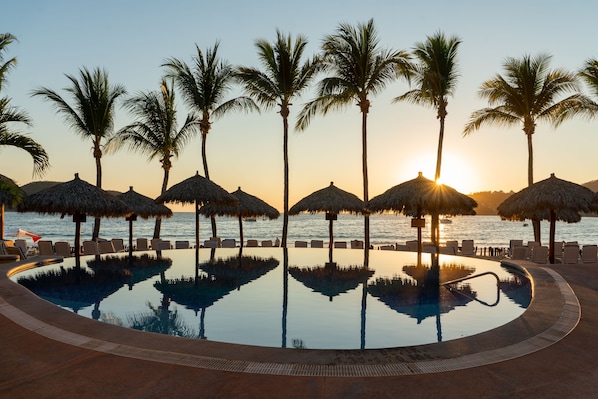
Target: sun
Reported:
[(455, 171)]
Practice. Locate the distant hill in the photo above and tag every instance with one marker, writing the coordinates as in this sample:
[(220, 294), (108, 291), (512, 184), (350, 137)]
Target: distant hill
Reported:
[(488, 201), (34, 187), (592, 185)]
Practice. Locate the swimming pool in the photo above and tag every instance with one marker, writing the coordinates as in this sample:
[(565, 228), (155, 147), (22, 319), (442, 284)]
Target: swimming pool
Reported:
[(298, 298)]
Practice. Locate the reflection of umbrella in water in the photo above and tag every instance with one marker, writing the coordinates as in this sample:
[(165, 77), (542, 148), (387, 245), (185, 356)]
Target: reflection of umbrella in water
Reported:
[(141, 206), (423, 297), (196, 190), (331, 200), (136, 269), (331, 280), (419, 197), (196, 293), (550, 199), (75, 288), (11, 195), (77, 198), (248, 206), (241, 269)]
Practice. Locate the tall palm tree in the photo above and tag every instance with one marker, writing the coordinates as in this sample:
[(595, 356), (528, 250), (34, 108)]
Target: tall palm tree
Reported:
[(283, 78), (92, 115), (435, 75), (155, 132), (360, 69), (204, 90), (589, 74), (528, 93), (10, 114)]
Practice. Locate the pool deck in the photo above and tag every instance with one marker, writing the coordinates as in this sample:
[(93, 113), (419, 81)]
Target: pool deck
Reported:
[(550, 351)]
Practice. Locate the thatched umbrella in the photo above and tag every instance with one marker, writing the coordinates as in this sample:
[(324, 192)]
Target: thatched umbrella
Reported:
[(248, 206), (331, 200), (77, 198), (550, 199), (11, 195), (419, 197), (141, 206), (196, 190)]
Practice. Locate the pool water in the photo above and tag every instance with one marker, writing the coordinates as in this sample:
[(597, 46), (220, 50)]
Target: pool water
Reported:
[(297, 298)]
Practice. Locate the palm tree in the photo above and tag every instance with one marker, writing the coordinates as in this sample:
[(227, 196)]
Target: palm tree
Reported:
[(92, 115), (10, 114), (204, 89), (155, 133), (360, 68), (284, 78), (589, 74), (435, 76), (528, 93)]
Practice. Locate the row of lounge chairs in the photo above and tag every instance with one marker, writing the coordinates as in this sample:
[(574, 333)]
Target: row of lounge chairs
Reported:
[(354, 244), (451, 247), (567, 252)]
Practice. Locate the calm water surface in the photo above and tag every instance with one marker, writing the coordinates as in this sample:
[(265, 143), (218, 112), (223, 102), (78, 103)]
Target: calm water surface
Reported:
[(297, 300)]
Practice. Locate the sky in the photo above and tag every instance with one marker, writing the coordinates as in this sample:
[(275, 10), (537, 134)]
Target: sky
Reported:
[(132, 39)]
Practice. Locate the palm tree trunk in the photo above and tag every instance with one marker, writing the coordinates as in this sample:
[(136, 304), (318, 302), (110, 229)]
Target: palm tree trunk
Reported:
[(204, 157), (285, 150), (364, 161), (97, 153), (1, 221), (158, 225), (530, 181), (435, 216)]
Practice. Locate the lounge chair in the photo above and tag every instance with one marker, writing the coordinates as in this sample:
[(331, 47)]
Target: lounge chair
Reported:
[(571, 254), (141, 244), (164, 244), (300, 244), (210, 244), (23, 245), (448, 250), (340, 244), (267, 243), (467, 248), (453, 244), (412, 244), (402, 247), (155, 244), (5, 257), (105, 247), (356, 244), (317, 244), (252, 243), (513, 244), (540, 254), (229, 243), (181, 244), (63, 249), (589, 254), (118, 244), (45, 247), (90, 248), (16, 251), (519, 252), (429, 249), (387, 247)]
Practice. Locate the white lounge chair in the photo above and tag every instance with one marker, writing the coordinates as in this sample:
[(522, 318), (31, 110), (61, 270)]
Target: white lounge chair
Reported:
[(63, 249), (540, 254), (467, 248), (519, 253), (45, 247), (90, 248), (589, 254), (387, 247), (317, 244), (141, 244), (229, 243), (210, 244), (412, 244), (105, 247), (267, 243), (356, 244), (300, 244), (183, 244), (571, 254), (252, 243), (340, 244), (118, 244), (19, 242)]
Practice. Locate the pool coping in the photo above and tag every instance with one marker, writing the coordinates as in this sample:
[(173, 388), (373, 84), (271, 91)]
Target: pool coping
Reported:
[(553, 313)]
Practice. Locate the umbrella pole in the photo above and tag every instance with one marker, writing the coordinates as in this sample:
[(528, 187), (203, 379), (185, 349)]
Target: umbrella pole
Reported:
[(131, 238), (196, 224), (77, 242), (330, 234), (552, 234)]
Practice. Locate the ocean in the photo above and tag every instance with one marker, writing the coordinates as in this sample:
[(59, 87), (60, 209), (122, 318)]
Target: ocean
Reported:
[(486, 231)]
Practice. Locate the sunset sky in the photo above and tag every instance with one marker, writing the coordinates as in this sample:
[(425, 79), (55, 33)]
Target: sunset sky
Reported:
[(131, 39)]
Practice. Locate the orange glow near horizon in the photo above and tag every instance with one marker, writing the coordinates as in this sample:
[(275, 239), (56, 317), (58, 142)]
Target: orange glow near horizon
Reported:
[(454, 172)]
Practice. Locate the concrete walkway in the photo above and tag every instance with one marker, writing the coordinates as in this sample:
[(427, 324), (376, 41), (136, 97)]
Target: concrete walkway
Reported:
[(48, 352)]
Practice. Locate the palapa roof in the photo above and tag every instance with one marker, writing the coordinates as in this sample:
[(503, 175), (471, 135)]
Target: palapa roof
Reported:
[(248, 206), (75, 197), (421, 196), (565, 198), (330, 199), (196, 189), (143, 206)]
